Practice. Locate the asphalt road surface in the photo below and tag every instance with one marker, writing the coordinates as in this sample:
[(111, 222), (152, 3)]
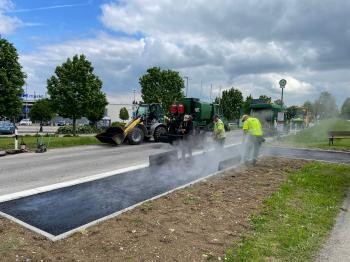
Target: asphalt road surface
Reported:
[(31, 170)]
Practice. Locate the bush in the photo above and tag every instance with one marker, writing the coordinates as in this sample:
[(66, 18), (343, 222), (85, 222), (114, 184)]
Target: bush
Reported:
[(118, 124), (79, 130)]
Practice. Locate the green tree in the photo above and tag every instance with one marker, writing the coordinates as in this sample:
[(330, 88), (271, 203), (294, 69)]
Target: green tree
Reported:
[(265, 98), (11, 81), (231, 103), (96, 110), (325, 106), (73, 89), (41, 111), (246, 104), (345, 109), (123, 114), (291, 112), (278, 102), (161, 86), (309, 108)]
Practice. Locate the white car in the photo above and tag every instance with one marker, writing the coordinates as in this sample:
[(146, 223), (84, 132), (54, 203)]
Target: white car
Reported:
[(25, 122)]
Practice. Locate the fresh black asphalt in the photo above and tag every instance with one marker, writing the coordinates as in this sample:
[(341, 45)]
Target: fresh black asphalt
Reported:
[(64, 209)]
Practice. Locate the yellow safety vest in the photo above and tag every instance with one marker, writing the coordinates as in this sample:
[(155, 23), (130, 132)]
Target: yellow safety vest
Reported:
[(252, 126), (219, 129)]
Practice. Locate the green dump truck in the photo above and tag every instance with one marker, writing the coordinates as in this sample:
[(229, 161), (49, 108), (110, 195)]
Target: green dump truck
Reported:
[(202, 116)]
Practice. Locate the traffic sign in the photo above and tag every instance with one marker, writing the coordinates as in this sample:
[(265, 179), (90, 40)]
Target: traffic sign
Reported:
[(283, 82)]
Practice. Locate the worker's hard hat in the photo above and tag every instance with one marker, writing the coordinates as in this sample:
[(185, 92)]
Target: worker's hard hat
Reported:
[(244, 118), (215, 116)]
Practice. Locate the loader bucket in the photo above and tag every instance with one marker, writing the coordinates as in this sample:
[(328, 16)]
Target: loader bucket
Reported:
[(113, 135)]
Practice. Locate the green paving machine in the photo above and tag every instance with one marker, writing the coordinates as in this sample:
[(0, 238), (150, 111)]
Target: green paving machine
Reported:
[(202, 116)]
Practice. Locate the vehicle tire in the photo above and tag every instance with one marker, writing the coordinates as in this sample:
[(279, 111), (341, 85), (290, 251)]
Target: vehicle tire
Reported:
[(161, 130), (135, 136)]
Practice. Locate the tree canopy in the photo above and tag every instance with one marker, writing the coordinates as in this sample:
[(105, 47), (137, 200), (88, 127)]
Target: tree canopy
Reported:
[(266, 98), (291, 112), (97, 107), (123, 114), (230, 103), (161, 86), (41, 111), (278, 102), (76, 91), (345, 109), (11, 80), (246, 104), (325, 106)]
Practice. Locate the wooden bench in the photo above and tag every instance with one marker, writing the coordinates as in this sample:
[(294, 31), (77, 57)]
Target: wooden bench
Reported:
[(337, 135)]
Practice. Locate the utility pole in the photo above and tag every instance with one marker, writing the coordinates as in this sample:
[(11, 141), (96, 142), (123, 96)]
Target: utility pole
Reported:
[(211, 91), (186, 77), (200, 95), (134, 92), (26, 102), (220, 100)]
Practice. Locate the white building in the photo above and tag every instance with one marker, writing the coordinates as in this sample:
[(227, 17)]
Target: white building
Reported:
[(113, 110)]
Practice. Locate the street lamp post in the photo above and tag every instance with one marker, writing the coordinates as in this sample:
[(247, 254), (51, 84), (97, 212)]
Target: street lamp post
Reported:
[(26, 110), (186, 77)]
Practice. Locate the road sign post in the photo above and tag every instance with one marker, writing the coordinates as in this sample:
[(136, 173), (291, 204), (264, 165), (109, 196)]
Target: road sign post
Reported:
[(283, 84)]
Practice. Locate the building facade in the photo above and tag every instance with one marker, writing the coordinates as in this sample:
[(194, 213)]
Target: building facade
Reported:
[(112, 111)]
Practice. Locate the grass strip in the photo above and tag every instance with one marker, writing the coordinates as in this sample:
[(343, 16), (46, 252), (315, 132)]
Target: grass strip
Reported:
[(296, 219), (317, 136), (51, 142)]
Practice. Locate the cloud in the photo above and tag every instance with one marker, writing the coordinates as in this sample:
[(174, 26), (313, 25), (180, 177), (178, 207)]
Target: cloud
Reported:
[(112, 59), (47, 8), (8, 24), (247, 44)]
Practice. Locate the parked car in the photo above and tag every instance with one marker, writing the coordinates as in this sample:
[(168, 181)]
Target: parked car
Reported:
[(61, 123), (25, 122), (6, 127), (46, 123)]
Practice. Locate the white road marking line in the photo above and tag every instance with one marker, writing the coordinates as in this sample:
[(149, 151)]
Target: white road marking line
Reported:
[(42, 189)]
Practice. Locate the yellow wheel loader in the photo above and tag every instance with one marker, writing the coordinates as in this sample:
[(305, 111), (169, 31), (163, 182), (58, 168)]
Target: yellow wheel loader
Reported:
[(147, 123)]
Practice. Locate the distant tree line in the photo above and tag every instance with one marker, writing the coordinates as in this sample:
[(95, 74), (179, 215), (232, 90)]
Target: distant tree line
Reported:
[(74, 90)]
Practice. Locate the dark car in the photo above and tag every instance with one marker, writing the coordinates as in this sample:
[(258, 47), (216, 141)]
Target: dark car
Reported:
[(61, 123), (6, 127)]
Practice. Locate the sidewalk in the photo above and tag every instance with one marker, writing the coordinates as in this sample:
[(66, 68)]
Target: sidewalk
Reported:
[(337, 248)]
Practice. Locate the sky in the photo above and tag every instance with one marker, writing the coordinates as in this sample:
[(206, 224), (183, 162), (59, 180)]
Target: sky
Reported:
[(246, 44)]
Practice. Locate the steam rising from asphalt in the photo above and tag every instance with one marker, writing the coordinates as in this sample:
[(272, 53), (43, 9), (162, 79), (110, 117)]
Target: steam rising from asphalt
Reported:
[(205, 160)]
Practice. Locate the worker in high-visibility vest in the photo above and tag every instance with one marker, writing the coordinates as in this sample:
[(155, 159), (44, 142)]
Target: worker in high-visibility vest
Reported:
[(252, 138), (219, 134)]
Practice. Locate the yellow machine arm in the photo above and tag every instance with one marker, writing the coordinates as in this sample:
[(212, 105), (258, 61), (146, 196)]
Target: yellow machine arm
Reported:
[(131, 125)]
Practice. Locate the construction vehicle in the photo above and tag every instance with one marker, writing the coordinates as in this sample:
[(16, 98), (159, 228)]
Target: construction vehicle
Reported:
[(148, 122), (202, 116)]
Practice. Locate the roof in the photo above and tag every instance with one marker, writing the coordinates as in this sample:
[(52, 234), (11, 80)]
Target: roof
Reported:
[(267, 106)]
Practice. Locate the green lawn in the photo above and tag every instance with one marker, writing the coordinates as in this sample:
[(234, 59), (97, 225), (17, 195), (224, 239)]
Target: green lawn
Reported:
[(317, 136), (51, 142), (296, 220)]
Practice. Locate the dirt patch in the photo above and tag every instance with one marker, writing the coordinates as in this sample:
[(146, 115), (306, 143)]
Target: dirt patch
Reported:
[(192, 224)]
